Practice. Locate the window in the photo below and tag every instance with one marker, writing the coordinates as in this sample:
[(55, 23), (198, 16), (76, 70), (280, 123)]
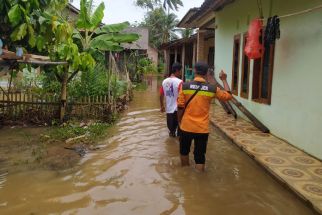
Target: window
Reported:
[(245, 71), (263, 75), (235, 78)]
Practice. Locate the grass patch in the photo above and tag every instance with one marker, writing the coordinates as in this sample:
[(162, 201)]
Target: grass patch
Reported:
[(93, 131)]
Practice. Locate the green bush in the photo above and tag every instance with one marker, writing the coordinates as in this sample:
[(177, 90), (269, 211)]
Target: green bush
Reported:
[(145, 66)]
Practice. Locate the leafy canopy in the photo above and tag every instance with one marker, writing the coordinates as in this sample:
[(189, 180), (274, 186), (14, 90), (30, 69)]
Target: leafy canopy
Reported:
[(161, 26), (93, 35), (152, 4), (19, 20)]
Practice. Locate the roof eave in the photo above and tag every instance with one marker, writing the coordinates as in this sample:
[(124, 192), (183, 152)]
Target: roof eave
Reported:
[(206, 7), (183, 21)]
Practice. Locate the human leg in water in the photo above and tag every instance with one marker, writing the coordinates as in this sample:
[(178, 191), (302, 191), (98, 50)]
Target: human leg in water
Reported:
[(185, 144), (172, 123), (201, 141)]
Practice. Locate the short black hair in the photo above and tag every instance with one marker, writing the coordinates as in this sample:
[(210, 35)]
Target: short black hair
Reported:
[(176, 67), (201, 68)]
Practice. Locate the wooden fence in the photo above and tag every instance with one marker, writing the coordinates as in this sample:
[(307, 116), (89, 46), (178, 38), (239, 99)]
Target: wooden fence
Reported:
[(28, 107)]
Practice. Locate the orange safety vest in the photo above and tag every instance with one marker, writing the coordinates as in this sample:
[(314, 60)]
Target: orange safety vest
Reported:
[(196, 116)]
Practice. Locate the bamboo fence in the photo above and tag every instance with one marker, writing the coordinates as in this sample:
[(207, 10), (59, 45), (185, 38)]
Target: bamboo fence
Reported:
[(34, 108)]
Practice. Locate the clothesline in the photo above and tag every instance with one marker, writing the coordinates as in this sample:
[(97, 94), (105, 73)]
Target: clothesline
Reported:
[(300, 12)]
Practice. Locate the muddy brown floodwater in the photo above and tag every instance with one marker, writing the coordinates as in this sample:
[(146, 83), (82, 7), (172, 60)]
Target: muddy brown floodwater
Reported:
[(137, 171)]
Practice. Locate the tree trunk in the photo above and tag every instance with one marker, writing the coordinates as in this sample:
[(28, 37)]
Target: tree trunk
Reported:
[(63, 97)]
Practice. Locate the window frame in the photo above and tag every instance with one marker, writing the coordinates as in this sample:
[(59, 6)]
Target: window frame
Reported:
[(233, 90), (259, 99), (242, 93)]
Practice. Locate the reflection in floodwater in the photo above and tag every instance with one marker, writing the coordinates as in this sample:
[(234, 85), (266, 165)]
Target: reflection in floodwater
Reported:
[(138, 172)]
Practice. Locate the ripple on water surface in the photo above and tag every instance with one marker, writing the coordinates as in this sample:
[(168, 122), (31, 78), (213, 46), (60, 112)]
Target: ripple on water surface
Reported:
[(138, 172)]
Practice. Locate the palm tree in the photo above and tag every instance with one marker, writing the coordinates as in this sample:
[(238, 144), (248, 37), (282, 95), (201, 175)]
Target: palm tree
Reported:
[(172, 4), (167, 4), (161, 26), (186, 32)]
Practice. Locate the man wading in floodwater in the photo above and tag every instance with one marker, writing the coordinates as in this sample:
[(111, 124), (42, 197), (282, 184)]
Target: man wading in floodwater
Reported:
[(170, 90), (193, 112)]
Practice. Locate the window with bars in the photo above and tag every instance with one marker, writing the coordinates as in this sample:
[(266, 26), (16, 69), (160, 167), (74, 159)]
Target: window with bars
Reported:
[(235, 70)]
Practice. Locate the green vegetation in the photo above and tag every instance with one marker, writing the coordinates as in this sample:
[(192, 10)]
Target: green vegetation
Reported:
[(93, 131), (167, 4), (161, 23), (146, 66), (161, 26), (93, 36), (39, 26), (141, 86)]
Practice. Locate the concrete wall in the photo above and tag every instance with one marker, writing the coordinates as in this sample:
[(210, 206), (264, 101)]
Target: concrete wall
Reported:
[(153, 55), (142, 43), (295, 113), (203, 46)]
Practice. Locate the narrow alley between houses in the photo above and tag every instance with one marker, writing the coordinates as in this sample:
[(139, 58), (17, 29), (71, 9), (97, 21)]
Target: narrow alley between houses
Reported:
[(137, 171)]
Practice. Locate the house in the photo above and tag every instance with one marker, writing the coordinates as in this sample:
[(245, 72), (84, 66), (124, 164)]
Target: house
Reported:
[(182, 51), (187, 51), (282, 88), (71, 12), (142, 44)]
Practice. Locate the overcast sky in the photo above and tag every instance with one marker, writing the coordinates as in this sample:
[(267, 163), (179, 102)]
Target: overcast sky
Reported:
[(125, 10)]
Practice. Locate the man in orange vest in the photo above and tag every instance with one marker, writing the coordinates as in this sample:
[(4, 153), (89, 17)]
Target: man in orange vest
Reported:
[(193, 112)]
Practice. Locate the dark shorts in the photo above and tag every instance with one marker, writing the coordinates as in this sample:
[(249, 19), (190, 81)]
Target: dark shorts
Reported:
[(200, 149)]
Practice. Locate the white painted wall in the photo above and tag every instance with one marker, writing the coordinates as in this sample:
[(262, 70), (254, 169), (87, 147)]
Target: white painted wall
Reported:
[(295, 113)]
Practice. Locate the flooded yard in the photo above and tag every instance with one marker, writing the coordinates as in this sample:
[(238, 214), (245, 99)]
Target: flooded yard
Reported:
[(137, 171)]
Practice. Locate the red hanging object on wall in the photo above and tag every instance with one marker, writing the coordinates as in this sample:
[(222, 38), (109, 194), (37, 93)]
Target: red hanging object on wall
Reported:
[(254, 48)]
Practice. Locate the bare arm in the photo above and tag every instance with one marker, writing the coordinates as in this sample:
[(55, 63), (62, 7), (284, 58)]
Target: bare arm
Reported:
[(180, 115), (223, 77), (223, 95), (181, 105), (162, 109)]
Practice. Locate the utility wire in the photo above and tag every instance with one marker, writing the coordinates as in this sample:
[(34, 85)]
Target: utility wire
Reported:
[(300, 12)]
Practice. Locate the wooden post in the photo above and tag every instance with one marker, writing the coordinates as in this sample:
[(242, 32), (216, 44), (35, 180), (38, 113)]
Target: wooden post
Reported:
[(20, 103), (175, 55), (248, 114), (166, 60), (201, 46), (63, 95), (24, 106), (183, 58), (194, 54), (231, 109)]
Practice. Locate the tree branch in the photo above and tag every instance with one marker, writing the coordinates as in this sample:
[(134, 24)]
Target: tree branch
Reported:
[(60, 79), (72, 76)]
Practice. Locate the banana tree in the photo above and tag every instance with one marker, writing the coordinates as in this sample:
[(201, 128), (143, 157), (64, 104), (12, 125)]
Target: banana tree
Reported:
[(19, 20), (93, 35)]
